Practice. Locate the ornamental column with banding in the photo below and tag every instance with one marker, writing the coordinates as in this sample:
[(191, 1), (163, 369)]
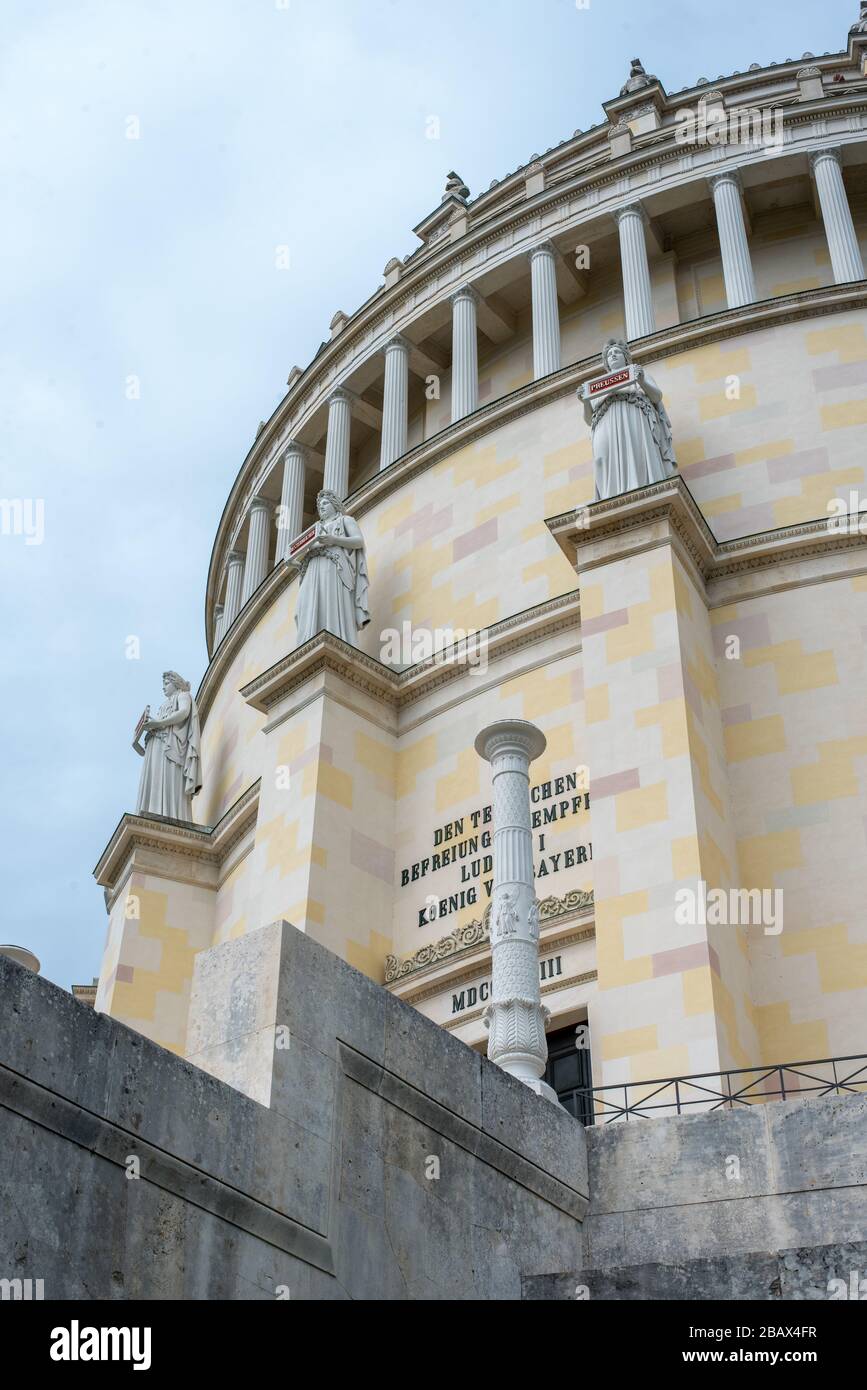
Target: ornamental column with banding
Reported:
[(256, 566), (394, 401), (546, 313), (291, 515), (234, 576), (637, 298), (737, 267), (465, 353), (515, 1016), (337, 443), (843, 247)]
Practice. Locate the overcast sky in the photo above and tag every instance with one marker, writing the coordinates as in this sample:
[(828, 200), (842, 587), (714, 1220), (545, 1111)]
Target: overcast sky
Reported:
[(300, 123)]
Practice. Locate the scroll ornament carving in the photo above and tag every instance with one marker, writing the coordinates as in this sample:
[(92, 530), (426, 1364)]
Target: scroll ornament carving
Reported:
[(474, 934)]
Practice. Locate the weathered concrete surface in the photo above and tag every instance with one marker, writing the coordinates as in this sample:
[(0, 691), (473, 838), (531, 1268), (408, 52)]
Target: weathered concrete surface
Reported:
[(328, 1191), (758, 1276), (377, 1157), (765, 1202)]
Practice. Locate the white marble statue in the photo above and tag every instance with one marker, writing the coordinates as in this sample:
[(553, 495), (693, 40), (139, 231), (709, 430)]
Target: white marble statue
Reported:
[(631, 431), (333, 579), (171, 774)]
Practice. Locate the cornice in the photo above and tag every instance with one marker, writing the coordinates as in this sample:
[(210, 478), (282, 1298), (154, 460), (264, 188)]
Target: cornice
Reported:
[(398, 689), (208, 845), (665, 512), (322, 653), (382, 310)]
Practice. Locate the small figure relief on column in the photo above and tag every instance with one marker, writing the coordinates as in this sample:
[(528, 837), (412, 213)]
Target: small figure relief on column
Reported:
[(630, 428), (171, 775), (505, 915), (533, 919), (333, 591)]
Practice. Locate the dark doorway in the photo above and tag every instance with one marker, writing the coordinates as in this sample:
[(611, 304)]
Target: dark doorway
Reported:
[(568, 1070)]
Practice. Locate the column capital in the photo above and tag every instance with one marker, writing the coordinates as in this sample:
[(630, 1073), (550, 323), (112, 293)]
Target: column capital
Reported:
[(542, 248), (465, 292), (725, 176), (397, 340), (261, 504), (630, 210), (510, 736), (829, 152), (235, 557), (341, 393), (294, 446)]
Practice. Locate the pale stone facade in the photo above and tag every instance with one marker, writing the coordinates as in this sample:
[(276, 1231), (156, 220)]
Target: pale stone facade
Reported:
[(342, 792)]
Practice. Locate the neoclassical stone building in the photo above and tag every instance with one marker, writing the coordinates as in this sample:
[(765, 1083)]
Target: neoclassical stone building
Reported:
[(693, 651)]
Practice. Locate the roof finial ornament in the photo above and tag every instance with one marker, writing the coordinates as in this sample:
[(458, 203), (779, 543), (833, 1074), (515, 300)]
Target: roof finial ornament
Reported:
[(638, 78), (455, 186), (860, 25)]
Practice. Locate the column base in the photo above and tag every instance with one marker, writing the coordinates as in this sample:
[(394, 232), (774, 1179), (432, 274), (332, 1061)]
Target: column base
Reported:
[(527, 1071), (541, 1088)]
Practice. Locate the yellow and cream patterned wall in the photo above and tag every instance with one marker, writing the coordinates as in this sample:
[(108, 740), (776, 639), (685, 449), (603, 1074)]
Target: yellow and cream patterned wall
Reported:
[(792, 686), (742, 771)]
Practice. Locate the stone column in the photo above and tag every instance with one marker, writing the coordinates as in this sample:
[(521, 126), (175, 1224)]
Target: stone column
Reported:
[(846, 261), (291, 515), (637, 297), (218, 624), (465, 353), (546, 313), (234, 579), (256, 566), (395, 401), (337, 443), (515, 1016), (737, 266)]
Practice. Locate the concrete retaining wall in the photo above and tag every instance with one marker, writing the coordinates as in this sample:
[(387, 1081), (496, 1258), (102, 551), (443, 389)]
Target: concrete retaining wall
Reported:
[(761, 1203), (329, 1192), (331, 1142)]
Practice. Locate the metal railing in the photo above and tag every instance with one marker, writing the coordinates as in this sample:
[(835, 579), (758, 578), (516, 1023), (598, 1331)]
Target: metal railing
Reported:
[(681, 1095)]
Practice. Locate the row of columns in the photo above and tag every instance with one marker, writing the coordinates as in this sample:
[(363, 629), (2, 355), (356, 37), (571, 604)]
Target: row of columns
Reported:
[(245, 574), (740, 285)]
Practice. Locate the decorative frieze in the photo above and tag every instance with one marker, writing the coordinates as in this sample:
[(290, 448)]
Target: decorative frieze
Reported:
[(468, 938)]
